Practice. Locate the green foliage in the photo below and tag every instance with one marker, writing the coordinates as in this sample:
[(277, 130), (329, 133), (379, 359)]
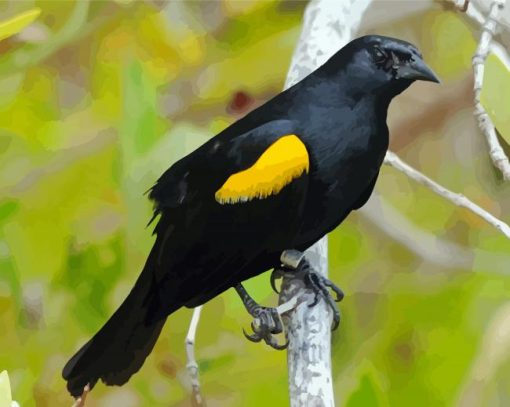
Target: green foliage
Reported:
[(368, 392), (448, 42), (495, 91), (17, 23)]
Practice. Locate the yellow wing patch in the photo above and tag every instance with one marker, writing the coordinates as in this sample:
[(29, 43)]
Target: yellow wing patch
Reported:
[(286, 159)]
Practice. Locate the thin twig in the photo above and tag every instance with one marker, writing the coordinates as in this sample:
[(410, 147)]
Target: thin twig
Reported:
[(461, 5), (496, 152), (500, 52), (192, 365), (433, 249), (456, 198), (467, 7)]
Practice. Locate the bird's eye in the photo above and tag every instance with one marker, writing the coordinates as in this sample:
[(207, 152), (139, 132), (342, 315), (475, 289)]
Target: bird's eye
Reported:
[(381, 58), (380, 55)]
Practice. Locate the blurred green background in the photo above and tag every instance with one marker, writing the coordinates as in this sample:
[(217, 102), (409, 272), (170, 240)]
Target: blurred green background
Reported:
[(98, 98)]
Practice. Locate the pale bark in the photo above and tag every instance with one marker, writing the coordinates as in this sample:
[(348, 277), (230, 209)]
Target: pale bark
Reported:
[(192, 364), (487, 128), (328, 26)]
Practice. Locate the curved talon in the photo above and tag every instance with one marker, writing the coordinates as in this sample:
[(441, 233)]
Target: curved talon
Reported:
[(337, 290), (255, 325), (278, 325), (266, 321), (271, 341), (265, 325), (285, 345), (315, 286), (336, 321), (252, 338), (268, 339), (319, 285), (274, 276), (315, 300)]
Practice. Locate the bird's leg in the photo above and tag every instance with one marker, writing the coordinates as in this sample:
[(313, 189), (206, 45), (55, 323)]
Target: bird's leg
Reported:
[(295, 263), (266, 322)]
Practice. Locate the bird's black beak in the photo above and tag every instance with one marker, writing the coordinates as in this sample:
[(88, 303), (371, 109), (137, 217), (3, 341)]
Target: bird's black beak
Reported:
[(416, 69)]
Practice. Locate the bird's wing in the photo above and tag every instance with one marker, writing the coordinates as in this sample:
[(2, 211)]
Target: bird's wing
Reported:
[(234, 169), (284, 160), (218, 178)]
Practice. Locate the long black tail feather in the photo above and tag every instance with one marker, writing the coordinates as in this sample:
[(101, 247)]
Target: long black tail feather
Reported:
[(120, 347)]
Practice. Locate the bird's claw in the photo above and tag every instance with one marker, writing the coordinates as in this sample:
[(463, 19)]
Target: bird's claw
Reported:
[(276, 274), (320, 285), (265, 325)]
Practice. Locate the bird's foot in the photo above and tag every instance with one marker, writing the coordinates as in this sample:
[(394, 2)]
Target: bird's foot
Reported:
[(265, 325), (295, 263), (266, 321), (321, 287)]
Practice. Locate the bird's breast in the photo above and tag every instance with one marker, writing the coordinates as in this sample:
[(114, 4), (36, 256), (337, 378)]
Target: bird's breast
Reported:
[(339, 175)]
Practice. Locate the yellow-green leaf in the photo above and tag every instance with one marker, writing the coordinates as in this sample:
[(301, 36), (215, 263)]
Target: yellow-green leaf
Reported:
[(17, 23), (496, 95), (5, 390)]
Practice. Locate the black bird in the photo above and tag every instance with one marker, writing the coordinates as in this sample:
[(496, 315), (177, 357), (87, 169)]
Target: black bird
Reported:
[(279, 178)]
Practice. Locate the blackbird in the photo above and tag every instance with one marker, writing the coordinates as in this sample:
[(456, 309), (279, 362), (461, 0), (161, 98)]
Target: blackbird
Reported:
[(279, 178)]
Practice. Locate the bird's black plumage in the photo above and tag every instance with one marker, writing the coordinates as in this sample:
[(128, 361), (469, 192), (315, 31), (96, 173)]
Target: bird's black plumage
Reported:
[(205, 246)]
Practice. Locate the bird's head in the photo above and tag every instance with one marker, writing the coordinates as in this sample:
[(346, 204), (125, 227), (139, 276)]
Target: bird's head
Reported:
[(382, 65)]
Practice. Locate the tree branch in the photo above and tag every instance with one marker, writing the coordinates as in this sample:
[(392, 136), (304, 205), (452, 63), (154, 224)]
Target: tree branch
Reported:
[(439, 252), (192, 365), (431, 248), (327, 27), (456, 198), (496, 152)]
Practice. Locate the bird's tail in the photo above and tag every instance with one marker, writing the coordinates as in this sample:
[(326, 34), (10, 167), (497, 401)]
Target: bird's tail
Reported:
[(120, 347)]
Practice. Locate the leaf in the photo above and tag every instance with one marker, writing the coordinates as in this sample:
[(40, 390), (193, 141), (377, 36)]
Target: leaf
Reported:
[(5, 390), (16, 24), (496, 93)]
